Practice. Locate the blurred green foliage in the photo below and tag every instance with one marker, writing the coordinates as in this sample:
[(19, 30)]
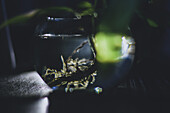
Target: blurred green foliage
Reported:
[(36, 13), (111, 19), (116, 15), (152, 23), (108, 46), (83, 9)]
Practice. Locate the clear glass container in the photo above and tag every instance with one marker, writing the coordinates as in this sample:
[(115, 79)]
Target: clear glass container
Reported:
[(64, 55)]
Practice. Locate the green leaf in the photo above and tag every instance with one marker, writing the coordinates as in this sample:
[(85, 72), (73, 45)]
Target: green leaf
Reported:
[(38, 13), (19, 19), (117, 15), (85, 4), (108, 46), (152, 23), (85, 8), (87, 12)]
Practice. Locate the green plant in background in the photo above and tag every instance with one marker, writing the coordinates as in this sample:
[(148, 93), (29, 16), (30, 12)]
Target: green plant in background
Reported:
[(113, 25), (108, 46), (83, 9), (110, 18), (113, 20)]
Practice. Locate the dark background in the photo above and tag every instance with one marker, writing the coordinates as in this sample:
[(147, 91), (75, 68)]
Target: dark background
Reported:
[(150, 71)]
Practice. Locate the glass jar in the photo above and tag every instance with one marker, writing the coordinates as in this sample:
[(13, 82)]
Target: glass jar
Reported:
[(64, 55)]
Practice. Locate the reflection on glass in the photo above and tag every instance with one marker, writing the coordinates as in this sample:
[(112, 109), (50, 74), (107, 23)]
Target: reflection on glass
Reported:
[(65, 57)]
